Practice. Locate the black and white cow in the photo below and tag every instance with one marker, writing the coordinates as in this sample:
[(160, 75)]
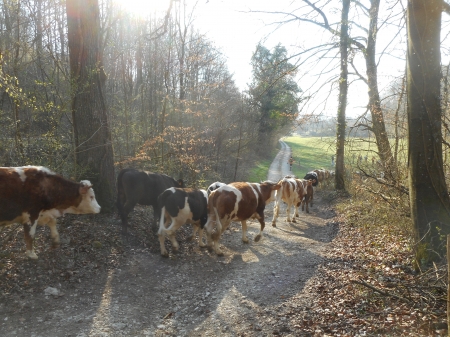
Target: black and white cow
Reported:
[(312, 176), (179, 206)]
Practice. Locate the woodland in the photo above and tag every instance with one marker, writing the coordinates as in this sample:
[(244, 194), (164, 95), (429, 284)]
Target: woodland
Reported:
[(87, 89)]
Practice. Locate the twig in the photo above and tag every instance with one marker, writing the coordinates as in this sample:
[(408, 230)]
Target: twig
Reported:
[(360, 282)]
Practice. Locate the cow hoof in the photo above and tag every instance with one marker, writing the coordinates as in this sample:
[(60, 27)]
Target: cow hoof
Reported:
[(55, 245), (257, 237), (274, 225), (219, 253), (245, 241), (32, 255), (190, 238), (164, 254), (294, 221)]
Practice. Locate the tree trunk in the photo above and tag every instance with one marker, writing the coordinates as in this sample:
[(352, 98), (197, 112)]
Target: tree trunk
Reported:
[(428, 191), (94, 153), (343, 88), (378, 125)]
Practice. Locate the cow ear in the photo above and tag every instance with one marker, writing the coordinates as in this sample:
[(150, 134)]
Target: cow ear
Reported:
[(84, 189)]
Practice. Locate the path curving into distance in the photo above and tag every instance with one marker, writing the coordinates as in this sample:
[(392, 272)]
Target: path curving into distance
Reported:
[(280, 167)]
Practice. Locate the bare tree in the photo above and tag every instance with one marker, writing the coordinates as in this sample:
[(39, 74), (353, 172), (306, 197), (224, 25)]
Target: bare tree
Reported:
[(430, 202), (93, 145), (343, 88)]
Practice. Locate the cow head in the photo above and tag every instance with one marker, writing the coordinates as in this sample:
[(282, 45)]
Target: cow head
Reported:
[(88, 203), (268, 189), (180, 183)]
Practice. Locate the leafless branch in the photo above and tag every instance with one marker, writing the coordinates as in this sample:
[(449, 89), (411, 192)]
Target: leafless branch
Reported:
[(161, 30)]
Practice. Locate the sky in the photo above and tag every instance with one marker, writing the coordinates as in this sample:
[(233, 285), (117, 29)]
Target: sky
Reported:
[(237, 26)]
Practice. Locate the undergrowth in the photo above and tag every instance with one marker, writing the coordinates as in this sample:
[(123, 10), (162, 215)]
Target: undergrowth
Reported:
[(369, 285)]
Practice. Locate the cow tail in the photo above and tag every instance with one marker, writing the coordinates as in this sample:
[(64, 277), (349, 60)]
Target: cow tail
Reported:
[(218, 223), (161, 219)]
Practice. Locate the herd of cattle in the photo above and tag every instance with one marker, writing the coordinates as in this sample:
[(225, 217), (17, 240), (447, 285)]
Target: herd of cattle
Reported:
[(34, 195)]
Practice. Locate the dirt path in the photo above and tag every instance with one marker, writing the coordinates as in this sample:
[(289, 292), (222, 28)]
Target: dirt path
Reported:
[(256, 289)]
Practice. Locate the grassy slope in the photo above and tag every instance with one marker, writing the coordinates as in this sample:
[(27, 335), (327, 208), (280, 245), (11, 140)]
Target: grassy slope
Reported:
[(309, 153), (312, 153)]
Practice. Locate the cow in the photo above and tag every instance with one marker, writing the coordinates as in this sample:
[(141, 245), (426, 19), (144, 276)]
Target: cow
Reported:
[(291, 192), (143, 188), (320, 176), (238, 201), (312, 175), (179, 206), (308, 197), (214, 186), (34, 195)]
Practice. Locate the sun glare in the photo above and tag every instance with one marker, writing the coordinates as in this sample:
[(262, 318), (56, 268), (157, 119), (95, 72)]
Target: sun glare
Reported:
[(143, 7)]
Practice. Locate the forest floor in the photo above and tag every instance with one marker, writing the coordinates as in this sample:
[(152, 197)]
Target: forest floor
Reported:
[(296, 281)]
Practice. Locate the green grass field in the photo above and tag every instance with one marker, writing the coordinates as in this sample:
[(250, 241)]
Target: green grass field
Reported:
[(312, 153)]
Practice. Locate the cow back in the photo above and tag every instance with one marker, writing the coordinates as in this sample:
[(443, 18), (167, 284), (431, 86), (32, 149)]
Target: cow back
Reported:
[(174, 199), (144, 187), (240, 200)]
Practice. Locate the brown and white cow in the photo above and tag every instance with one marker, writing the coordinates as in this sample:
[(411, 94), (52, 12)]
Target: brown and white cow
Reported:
[(321, 176), (214, 186), (179, 206), (308, 197), (291, 192), (34, 195), (237, 201)]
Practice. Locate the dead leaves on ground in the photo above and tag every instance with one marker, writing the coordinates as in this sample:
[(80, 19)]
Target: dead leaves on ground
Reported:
[(367, 287)]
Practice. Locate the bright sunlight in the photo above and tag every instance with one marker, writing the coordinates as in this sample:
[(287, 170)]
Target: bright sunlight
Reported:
[(143, 7)]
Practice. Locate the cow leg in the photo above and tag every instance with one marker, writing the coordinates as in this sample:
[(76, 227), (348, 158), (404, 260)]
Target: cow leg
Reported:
[(127, 208), (275, 214), (162, 237), (217, 235), (54, 233), (261, 221), (170, 232), (29, 232), (156, 216), (244, 231), (296, 207), (195, 228), (201, 244), (288, 210)]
